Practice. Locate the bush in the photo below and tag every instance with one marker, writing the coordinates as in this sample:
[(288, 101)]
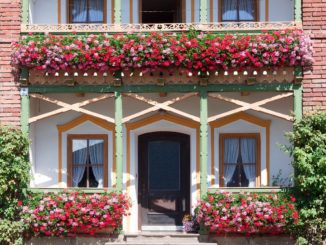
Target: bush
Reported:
[(14, 172), (309, 162), (249, 214), (68, 213), (11, 232)]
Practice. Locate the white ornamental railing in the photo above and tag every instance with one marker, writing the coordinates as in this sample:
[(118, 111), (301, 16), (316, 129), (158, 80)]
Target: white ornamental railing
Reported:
[(173, 27)]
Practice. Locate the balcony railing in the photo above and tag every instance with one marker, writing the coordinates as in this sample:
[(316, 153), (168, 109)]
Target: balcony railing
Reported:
[(173, 27)]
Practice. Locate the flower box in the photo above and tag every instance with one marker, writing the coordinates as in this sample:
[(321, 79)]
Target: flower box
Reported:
[(189, 51)]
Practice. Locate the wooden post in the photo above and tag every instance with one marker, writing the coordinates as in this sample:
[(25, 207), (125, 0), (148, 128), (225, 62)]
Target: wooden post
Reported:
[(298, 10), (297, 104), (203, 142), (25, 11), (117, 11), (203, 11), (119, 140), (24, 114)]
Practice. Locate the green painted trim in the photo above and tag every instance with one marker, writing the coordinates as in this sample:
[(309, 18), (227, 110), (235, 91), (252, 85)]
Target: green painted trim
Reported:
[(24, 114), (86, 190), (156, 88), (298, 10), (25, 11), (203, 11), (297, 103), (119, 139), (117, 11), (237, 190), (203, 142)]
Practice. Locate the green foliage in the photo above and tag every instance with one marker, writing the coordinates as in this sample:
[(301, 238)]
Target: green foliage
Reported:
[(309, 153), (11, 232), (14, 171), (14, 179)]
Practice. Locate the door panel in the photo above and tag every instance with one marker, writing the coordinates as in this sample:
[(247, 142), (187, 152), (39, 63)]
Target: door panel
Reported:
[(164, 178)]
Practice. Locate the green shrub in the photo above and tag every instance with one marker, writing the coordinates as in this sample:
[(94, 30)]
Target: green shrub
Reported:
[(11, 232), (309, 153), (14, 179)]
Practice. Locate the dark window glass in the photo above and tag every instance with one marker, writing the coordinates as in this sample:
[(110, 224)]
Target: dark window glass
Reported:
[(239, 10), (161, 11), (240, 162), (164, 165), (87, 163), (87, 11)]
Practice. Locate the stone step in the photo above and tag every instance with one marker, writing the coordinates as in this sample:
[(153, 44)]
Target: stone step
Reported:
[(158, 242), (162, 237)]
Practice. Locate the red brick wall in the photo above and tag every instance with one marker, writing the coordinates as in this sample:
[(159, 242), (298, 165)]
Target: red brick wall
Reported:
[(10, 17), (314, 24)]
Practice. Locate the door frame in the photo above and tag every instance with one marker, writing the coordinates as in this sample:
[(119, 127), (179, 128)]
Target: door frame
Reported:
[(187, 179), (165, 122)]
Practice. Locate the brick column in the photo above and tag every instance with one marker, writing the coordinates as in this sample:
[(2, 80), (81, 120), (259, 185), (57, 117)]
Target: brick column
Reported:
[(10, 17), (314, 83)]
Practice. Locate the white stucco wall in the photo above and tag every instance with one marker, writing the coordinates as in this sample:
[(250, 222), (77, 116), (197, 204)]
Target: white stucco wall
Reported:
[(44, 138)]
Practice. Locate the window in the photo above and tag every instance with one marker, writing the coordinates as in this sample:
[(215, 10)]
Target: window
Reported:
[(161, 11), (87, 161), (240, 160), (87, 11), (239, 10)]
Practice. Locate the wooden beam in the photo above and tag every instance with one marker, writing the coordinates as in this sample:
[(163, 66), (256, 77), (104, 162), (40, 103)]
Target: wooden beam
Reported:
[(68, 107), (165, 106), (273, 87), (247, 106)]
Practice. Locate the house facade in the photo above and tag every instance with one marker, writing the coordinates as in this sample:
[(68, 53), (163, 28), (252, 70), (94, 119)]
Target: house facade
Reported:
[(165, 136)]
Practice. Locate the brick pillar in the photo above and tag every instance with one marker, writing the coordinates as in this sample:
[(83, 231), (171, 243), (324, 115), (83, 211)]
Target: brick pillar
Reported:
[(314, 83), (10, 18)]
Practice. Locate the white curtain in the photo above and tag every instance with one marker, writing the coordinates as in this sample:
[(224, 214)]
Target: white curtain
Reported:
[(95, 11), (248, 155), (231, 152), (79, 11), (79, 158), (229, 10), (96, 153), (246, 9)]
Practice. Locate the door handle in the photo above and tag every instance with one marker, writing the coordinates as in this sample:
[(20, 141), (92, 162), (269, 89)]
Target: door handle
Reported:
[(183, 204)]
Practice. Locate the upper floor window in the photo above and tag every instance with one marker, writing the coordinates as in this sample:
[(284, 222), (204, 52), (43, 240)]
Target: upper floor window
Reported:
[(87, 11), (239, 10), (161, 11), (87, 160), (240, 159)]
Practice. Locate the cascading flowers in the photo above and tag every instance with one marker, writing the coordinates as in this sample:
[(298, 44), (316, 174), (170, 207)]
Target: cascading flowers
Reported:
[(157, 51), (248, 214), (68, 213)]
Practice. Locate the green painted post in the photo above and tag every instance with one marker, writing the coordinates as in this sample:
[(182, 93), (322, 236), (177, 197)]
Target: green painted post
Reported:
[(203, 11), (25, 11), (298, 10), (118, 140), (117, 11), (297, 105), (24, 114), (203, 141)]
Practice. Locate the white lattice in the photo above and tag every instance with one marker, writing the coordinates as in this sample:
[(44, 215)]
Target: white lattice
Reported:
[(220, 26)]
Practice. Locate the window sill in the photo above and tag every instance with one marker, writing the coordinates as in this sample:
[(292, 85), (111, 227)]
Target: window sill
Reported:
[(267, 189), (70, 189)]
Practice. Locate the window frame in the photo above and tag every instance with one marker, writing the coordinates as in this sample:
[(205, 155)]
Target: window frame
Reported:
[(223, 136), (70, 138), (257, 14), (69, 13)]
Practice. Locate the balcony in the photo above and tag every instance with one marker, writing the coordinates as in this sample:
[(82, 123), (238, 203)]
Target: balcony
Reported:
[(134, 16)]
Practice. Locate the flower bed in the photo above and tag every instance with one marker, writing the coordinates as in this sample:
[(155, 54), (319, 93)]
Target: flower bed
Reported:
[(68, 213), (247, 214), (190, 52)]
